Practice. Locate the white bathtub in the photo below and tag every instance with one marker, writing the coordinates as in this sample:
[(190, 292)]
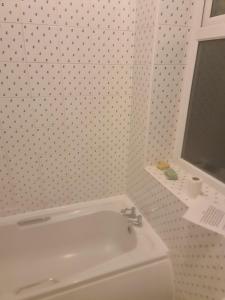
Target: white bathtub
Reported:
[(82, 252)]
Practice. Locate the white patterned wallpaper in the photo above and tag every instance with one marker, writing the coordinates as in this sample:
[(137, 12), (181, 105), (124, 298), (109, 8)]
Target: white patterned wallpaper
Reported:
[(198, 255), (65, 98)]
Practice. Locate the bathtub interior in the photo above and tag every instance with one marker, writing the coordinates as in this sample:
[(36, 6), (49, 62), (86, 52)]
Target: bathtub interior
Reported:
[(59, 249), (72, 248)]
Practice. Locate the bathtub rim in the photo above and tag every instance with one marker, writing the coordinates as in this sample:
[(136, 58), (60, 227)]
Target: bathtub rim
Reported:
[(15, 218)]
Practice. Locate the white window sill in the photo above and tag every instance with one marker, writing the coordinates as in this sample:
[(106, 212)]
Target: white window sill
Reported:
[(178, 187)]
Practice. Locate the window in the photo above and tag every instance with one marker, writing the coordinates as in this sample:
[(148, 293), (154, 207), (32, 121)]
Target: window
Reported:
[(214, 12), (218, 8), (204, 139), (201, 136)]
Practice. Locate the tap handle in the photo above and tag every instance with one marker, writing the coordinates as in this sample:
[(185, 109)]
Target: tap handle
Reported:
[(131, 210)]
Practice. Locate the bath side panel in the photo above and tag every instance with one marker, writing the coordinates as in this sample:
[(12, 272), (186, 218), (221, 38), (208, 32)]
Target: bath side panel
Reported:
[(151, 282)]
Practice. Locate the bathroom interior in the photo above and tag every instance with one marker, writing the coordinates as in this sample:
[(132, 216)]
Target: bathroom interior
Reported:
[(112, 183)]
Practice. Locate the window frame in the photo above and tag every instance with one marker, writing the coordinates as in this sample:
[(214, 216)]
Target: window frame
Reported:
[(200, 32), (207, 19)]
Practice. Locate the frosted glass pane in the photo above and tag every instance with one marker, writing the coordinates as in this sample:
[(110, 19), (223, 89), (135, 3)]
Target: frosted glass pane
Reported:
[(218, 8), (204, 140)]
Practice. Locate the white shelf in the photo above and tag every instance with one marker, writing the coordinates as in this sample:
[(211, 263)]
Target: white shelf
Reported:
[(178, 187)]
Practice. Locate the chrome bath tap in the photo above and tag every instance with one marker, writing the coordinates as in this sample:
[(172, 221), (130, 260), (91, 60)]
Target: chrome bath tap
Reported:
[(132, 216), (129, 212)]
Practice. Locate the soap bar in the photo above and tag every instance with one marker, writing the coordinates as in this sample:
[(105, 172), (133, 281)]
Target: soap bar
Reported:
[(162, 165), (171, 174)]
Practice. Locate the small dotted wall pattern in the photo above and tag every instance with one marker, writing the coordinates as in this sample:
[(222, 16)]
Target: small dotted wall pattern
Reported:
[(172, 37), (65, 100), (197, 255), (76, 81), (143, 48)]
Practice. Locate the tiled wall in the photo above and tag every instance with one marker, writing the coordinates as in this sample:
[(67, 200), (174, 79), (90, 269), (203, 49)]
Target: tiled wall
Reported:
[(143, 50), (66, 112), (65, 89), (173, 33), (198, 255)]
